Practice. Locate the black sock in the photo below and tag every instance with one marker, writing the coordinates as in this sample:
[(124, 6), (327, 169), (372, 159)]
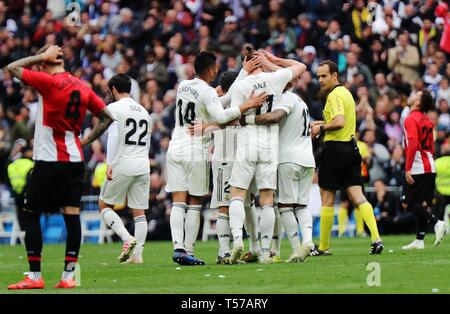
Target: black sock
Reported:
[(73, 241), (422, 220), (33, 239), (431, 219)]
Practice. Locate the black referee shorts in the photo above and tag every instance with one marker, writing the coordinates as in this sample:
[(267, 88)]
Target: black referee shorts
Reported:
[(340, 166), (421, 191), (53, 185)]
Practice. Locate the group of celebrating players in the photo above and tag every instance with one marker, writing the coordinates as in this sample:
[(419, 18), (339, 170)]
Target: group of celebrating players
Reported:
[(262, 138)]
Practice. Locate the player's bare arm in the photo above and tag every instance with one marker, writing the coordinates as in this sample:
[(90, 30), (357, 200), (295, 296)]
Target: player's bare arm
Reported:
[(270, 117), (105, 120), (296, 67), (266, 64), (337, 123), (52, 55)]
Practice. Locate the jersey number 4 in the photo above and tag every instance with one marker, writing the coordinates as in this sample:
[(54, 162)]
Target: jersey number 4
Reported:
[(73, 106), (189, 113), (143, 125)]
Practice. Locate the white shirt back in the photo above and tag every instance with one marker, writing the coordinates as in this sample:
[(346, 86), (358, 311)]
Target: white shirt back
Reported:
[(295, 140), (272, 84), (196, 100), (133, 125)]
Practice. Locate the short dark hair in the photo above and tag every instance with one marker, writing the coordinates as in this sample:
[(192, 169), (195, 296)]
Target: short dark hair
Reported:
[(227, 79), (331, 66), (204, 61), (121, 82), (426, 101)]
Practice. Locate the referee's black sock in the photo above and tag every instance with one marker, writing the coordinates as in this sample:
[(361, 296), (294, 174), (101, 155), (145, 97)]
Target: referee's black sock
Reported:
[(73, 241), (33, 239)]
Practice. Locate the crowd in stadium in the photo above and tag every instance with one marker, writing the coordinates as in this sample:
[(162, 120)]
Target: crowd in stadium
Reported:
[(383, 56)]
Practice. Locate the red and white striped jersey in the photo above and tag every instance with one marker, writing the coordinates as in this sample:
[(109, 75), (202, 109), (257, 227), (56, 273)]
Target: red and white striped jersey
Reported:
[(419, 144), (63, 102)]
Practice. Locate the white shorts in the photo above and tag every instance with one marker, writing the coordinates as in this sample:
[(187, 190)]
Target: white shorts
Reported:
[(294, 183), (263, 169), (221, 194), (187, 176), (134, 189)]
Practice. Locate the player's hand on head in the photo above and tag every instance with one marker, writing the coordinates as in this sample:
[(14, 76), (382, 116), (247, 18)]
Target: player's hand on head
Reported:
[(53, 54), (267, 55), (251, 65)]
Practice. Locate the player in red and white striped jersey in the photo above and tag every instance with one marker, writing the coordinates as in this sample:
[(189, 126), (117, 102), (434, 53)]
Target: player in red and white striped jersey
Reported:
[(420, 168), (57, 179)]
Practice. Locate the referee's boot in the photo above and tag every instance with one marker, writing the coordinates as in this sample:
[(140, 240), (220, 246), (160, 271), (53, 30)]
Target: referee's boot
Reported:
[(377, 246), (314, 251)]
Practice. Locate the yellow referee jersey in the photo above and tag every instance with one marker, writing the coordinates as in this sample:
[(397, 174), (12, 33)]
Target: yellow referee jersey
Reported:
[(340, 102)]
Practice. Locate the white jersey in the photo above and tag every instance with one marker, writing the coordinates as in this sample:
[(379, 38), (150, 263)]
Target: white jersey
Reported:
[(273, 85), (129, 138), (295, 140), (225, 139), (196, 100)]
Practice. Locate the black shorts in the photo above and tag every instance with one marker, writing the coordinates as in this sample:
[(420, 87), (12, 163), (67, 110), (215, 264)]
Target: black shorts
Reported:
[(53, 185), (421, 191), (340, 166)]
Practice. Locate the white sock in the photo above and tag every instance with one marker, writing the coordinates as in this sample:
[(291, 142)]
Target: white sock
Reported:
[(223, 233), (140, 233), (237, 218), (251, 226), (66, 275), (34, 275), (177, 225), (305, 220), (191, 227), (291, 227), (277, 229), (113, 221), (266, 224)]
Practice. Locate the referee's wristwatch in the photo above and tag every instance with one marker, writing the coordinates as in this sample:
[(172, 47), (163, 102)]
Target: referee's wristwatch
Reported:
[(321, 129)]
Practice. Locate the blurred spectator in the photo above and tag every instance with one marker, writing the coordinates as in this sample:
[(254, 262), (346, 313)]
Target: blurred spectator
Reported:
[(255, 29), (404, 59), (230, 39)]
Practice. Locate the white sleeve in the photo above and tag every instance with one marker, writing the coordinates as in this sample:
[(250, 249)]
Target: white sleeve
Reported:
[(282, 77), (215, 109), (111, 146), (225, 100), (286, 104)]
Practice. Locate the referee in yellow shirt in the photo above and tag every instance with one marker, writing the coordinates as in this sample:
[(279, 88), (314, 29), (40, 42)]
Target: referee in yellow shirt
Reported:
[(340, 162)]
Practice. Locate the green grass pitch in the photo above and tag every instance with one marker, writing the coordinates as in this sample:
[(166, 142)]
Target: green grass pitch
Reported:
[(344, 272)]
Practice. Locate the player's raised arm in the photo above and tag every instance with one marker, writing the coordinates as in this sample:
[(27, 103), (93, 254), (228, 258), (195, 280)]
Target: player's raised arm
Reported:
[(52, 55), (296, 67)]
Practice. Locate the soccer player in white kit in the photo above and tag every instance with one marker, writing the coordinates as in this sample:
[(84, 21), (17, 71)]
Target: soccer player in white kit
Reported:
[(128, 172), (295, 168), (257, 153), (187, 164), (222, 163)]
